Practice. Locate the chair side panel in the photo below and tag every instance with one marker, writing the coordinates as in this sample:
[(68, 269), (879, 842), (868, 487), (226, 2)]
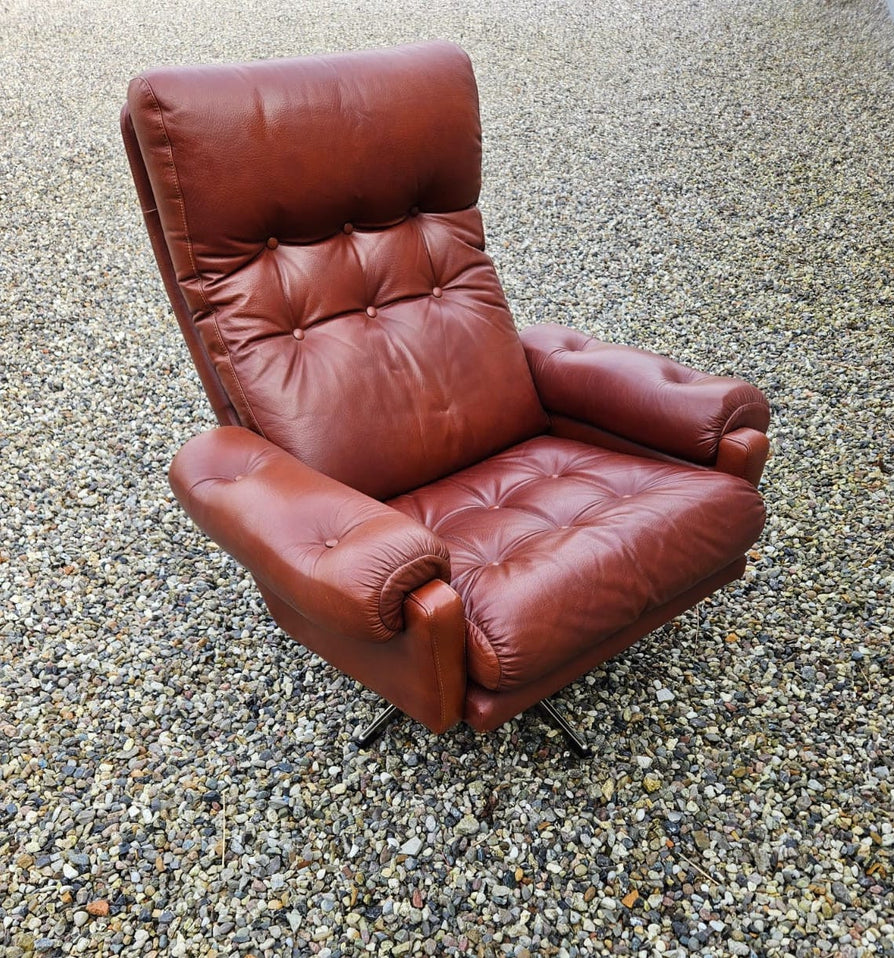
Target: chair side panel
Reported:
[(217, 396)]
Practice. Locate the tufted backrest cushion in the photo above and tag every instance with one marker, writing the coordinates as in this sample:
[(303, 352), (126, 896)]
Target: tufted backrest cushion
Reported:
[(320, 216)]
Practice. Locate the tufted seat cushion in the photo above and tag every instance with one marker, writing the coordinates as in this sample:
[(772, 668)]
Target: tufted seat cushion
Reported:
[(555, 545)]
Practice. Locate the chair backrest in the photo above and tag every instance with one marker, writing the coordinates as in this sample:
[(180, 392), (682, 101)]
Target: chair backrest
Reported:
[(320, 218)]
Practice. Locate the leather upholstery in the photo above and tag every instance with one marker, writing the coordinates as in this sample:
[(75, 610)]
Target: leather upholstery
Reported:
[(743, 452), (555, 545), (214, 390), (646, 398), (485, 710), (320, 217), (343, 560), (421, 670), (462, 519)]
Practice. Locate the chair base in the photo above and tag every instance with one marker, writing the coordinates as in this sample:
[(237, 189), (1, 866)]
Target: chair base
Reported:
[(575, 742), (365, 737)]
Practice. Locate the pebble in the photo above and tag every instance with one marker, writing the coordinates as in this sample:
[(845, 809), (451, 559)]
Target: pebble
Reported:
[(412, 846), (701, 839), (467, 825), (177, 778)]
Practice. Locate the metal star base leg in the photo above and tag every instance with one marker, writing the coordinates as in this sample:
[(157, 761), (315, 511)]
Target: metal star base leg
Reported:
[(367, 736), (575, 742)]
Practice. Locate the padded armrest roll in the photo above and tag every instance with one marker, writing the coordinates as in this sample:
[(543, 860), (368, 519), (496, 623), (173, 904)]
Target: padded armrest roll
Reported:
[(639, 395), (341, 559)]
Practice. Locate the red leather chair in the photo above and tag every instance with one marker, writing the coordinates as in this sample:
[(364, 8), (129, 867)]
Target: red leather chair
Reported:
[(462, 518)]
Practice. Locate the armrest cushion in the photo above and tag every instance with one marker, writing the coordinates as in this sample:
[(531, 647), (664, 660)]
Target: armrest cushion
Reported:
[(341, 559), (639, 395)]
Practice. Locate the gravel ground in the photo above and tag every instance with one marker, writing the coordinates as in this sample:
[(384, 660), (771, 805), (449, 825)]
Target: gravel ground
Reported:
[(713, 180)]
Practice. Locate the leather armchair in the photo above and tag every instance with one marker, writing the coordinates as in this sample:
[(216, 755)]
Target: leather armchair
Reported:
[(463, 518)]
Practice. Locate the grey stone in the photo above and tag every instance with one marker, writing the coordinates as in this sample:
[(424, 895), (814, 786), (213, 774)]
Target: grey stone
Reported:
[(412, 846)]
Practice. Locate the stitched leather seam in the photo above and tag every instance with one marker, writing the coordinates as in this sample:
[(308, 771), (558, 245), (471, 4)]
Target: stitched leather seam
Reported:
[(436, 649), (543, 365), (431, 620), (205, 479), (180, 203), (483, 635), (400, 570), (668, 456), (739, 411), (736, 441), (192, 259), (744, 447)]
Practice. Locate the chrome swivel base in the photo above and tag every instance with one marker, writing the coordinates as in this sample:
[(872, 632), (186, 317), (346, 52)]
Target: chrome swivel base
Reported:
[(365, 737), (576, 743)]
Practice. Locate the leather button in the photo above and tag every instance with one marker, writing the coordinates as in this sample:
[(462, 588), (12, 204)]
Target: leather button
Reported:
[(493, 506), (437, 292), (372, 312), (414, 211), (237, 478), (272, 243), (298, 333), (331, 543), (348, 228)]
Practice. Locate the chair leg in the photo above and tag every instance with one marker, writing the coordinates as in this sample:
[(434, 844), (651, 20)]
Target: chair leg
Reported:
[(367, 736), (577, 744)]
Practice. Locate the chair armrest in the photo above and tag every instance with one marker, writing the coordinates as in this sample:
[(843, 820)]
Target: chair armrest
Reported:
[(744, 453), (342, 560), (639, 395)]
